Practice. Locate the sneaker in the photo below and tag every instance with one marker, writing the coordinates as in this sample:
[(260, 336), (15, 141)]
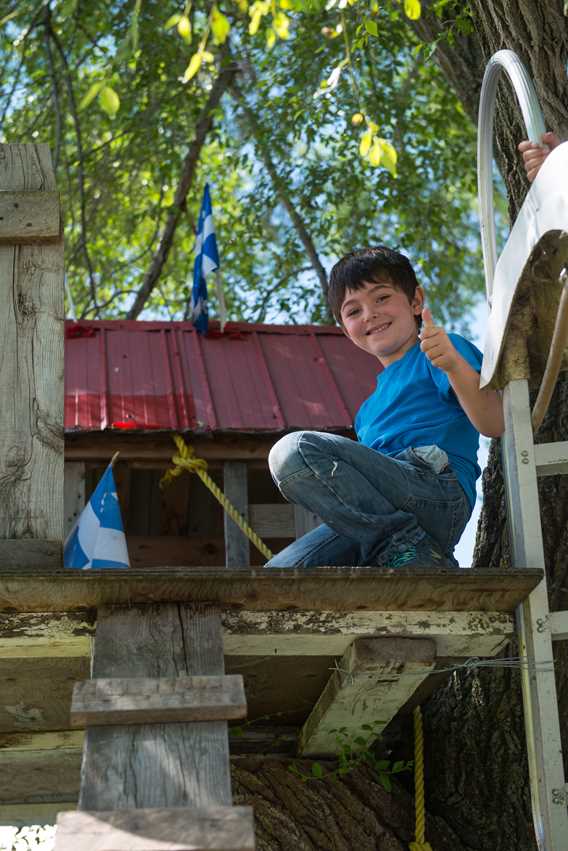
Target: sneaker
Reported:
[(424, 553)]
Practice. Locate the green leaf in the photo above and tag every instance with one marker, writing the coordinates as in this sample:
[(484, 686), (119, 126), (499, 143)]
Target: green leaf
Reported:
[(371, 27), (172, 21), (399, 765), (317, 770), (220, 26), (184, 27), (383, 764), (385, 782), (193, 67), (236, 731), (412, 9), (389, 156), (360, 741), (109, 101), (91, 94), (365, 143), (376, 153)]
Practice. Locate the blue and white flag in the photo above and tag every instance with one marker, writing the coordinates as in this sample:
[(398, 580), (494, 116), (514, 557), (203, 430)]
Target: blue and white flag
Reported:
[(206, 261), (97, 539)]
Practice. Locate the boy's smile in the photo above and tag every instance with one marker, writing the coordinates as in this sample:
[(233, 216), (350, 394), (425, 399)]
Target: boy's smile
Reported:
[(379, 319)]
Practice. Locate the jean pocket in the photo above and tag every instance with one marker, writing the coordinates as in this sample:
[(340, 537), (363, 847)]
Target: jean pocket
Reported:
[(431, 457)]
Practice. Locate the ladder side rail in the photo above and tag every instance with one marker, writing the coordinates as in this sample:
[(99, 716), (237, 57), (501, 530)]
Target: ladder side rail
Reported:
[(540, 700)]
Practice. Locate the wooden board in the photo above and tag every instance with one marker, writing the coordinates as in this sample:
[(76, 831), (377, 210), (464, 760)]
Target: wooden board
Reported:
[(373, 679), (179, 829), (39, 767), (235, 487), (156, 765), (28, 216), (316, 589), (31, 353), (157, 700)]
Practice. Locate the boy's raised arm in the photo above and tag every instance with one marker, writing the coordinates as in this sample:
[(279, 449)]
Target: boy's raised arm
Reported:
[(484, 408)]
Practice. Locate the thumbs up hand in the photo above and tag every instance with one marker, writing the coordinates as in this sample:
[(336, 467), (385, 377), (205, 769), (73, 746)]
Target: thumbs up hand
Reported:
[(436, 344)]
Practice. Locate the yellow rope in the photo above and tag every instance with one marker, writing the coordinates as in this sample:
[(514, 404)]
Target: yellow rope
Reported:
[(420, 844), (186, 460)]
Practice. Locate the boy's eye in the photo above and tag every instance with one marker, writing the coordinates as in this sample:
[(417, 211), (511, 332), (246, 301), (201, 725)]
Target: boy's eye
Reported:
[(353, 311), (381, 297)]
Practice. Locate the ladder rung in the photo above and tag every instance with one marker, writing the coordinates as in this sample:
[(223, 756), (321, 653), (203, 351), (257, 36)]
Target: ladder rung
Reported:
[(178, 829), (551, 458), (157, 700), (559, 626)]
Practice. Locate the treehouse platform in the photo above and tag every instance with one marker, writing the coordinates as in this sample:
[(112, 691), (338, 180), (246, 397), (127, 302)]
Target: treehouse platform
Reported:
[(318, 649)]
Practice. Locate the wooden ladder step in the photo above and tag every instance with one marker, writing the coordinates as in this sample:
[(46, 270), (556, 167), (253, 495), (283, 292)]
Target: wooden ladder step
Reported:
[(157, 700), (160, 829)]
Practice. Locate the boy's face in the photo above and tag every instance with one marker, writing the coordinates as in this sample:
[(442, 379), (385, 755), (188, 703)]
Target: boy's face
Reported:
[(380, 320)]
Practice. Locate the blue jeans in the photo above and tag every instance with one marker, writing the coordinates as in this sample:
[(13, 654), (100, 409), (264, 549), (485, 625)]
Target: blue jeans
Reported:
[(370, 503)]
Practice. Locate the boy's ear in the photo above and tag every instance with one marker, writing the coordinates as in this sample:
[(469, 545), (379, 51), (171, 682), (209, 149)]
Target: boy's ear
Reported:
[(418, 301)]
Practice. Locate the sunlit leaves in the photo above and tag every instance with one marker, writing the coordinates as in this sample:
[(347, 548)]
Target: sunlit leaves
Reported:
[(220, 26), (376, 150), (184, 27), (194, 65), (109, 101), (371, 27), (412, 9), (331, 83)]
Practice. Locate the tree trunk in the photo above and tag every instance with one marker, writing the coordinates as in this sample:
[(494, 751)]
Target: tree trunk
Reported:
[(474, 726)]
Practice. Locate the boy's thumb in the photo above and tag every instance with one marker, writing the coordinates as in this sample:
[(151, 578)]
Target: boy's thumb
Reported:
[(427, 320)]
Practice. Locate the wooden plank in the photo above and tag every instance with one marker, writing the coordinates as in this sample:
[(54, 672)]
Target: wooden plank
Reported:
[(312, 589), (26, 216), (39, 767), (176, 829), (157, 765), (374, 678), (235, 483), (99, 446), (304, 520), (157, 700), (30, 552), (31, 353), (73, 493), (277, 634), (52, 634), (25, 815), (272, 520), (153, 550)]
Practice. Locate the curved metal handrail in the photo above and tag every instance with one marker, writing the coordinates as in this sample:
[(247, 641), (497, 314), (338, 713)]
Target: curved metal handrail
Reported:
[(509, 62)]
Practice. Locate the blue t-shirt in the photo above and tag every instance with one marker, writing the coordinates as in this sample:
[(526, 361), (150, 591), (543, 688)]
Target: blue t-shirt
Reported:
[(414, 405)]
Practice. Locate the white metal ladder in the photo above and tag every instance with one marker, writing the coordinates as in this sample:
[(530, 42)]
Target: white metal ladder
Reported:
[(546, 208)]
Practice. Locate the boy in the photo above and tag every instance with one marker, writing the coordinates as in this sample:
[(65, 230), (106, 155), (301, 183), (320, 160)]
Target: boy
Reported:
[(403, 494)]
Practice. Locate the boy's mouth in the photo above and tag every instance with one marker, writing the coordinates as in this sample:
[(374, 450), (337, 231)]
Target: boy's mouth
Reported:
[(378, 329)]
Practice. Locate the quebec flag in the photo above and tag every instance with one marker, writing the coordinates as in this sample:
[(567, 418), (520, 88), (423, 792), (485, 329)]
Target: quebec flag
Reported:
[(206, 261), (97, 539)]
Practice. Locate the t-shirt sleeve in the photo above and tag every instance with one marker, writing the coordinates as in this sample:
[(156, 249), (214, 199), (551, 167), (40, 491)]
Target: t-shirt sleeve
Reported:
[(468, 351)]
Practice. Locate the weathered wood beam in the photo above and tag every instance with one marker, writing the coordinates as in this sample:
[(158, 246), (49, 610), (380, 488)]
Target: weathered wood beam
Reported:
[(73, 493), (374, 678), (39, 767), (458, 635), (174, 829), (310, 589), (51, 634), (235, 485), (157, 700), (29, 216), (31, 353)]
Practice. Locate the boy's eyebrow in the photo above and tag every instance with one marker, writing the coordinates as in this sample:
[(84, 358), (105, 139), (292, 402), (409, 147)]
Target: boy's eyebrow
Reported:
[(372, 289)]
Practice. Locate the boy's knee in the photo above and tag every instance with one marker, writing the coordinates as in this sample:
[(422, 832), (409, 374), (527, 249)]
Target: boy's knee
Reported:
[(284, 458)]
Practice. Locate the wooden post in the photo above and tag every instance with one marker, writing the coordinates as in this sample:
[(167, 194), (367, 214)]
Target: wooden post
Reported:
[(237, 546), (31, 359)]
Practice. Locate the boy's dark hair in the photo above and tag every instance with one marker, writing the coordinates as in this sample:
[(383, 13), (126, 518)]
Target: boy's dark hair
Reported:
[(367, 265)]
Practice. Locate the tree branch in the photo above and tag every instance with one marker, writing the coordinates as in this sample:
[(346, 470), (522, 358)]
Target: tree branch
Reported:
[(281, 189), (189, 168)]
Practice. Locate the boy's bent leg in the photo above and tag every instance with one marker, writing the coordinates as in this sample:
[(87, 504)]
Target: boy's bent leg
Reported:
[(360, 493), (321, 547)]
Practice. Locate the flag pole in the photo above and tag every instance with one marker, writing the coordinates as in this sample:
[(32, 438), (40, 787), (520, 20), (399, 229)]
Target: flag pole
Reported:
[(221, 299)]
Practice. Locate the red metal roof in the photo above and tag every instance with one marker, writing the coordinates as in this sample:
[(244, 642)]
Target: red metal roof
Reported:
[(252, 378)]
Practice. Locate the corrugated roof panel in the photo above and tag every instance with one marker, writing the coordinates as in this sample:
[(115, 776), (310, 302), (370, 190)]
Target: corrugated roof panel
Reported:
[(252, 378)]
